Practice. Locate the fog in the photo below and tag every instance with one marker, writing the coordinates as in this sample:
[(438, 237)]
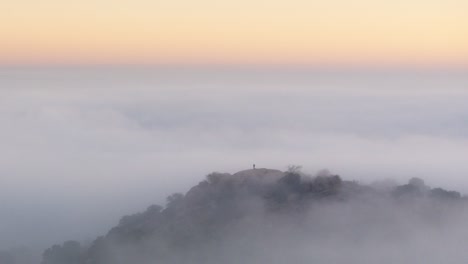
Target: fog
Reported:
[(83, 146)]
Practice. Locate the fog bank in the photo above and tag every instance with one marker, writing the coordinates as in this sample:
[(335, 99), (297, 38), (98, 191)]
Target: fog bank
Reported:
[(83, 146)]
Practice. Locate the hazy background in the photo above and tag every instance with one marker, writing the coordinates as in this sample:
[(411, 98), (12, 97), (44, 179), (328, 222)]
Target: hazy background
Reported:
[(81, 146)]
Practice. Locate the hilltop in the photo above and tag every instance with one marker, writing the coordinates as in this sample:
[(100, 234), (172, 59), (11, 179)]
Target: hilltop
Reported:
[(234, 218)]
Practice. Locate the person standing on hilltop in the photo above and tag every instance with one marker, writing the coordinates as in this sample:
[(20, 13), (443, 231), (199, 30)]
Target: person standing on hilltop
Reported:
[(254, 166)]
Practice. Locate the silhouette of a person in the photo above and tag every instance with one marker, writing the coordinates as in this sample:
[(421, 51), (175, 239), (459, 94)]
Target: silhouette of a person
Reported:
[(254, 166)]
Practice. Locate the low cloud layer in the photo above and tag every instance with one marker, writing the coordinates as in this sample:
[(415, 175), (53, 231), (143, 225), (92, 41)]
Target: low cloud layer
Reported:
[(82, 147)]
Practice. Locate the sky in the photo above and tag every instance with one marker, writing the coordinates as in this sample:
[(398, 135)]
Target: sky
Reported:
[(337, 32), (82, 146)]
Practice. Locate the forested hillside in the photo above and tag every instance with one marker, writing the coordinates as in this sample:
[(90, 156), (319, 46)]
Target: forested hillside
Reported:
[(269, 216)]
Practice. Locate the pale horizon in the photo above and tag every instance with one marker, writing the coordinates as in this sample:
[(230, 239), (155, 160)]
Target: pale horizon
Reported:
[(335, 33)]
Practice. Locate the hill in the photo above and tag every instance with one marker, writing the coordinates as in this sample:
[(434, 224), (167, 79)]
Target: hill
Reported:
[(269, 216)]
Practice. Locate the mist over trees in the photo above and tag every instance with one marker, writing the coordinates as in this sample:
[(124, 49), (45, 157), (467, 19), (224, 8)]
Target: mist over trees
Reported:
[(19, 255), (269, 216)]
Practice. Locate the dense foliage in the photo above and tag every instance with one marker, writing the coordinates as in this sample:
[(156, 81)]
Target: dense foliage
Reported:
[(188, 228)]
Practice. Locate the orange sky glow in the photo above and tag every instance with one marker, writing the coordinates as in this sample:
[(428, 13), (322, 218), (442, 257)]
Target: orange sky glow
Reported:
[(334, 32)]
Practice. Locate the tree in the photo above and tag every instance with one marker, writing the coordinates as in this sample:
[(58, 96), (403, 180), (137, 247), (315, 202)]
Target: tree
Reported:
[(68, 253), (174, 199), (440, 193), (215, 177)]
